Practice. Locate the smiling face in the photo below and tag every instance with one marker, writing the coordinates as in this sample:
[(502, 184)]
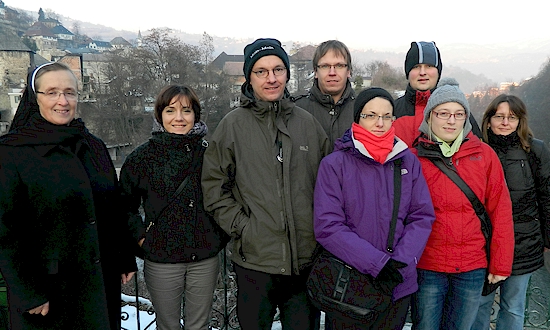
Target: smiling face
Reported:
[(423, 77), (58, 110), (332, 81), (447, 129), (178, 117), (272, 87), (500, 122)]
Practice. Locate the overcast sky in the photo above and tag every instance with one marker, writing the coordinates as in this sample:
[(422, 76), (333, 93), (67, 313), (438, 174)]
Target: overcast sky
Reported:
[(390, 24)]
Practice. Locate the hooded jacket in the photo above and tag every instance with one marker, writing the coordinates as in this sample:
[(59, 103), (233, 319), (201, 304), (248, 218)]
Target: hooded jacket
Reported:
[(456, 243), (175, 230), (529, 186), (409, 114), (258, 178), (335, 118), (353, 209)]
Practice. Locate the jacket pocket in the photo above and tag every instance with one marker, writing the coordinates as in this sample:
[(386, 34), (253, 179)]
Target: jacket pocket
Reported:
[(528, 238)]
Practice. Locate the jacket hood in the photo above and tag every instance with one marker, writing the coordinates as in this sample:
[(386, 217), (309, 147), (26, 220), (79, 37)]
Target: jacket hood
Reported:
[(264, 109), (248, 92)]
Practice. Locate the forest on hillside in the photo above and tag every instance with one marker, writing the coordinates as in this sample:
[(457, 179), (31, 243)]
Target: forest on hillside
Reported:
[(535, 92)]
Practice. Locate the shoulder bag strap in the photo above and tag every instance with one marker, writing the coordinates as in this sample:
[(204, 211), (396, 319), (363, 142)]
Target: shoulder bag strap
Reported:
[(396, 201), (486, 226), (174, 197)]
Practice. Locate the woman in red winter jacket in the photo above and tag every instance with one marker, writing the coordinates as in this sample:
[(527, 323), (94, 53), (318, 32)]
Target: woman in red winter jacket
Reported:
[(453, 266)]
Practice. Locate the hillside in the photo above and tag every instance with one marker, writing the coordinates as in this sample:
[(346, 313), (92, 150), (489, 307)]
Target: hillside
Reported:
[(472, 65)]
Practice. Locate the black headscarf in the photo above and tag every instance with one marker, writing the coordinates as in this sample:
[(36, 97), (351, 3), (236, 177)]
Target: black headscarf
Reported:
[(28, 104), (30, 128)]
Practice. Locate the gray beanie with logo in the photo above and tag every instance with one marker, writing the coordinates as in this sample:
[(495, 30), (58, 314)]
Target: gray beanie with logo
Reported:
[(444, 94)]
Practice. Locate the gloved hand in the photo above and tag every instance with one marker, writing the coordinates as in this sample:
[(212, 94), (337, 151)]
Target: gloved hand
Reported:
[(390, 272)]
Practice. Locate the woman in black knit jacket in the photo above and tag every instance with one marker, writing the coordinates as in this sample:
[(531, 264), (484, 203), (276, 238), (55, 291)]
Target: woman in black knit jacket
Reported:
[(179, 240), (526, 164)]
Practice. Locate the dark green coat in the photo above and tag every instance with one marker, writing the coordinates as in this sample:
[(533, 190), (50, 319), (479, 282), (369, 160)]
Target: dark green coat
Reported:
[(258, 178)]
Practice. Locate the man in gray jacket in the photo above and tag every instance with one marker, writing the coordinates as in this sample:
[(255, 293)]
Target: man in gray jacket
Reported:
[(258, 178), (331, 98)]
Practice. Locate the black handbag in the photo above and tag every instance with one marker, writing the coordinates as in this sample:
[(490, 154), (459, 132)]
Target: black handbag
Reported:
[(333, 285), (481, 212)]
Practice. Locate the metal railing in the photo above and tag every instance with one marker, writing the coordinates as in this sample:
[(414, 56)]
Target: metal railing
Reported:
[(224, 313), (3, 304), (224, 309)]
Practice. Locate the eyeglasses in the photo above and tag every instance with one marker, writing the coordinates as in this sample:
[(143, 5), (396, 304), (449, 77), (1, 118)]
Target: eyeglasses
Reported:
[(511, 119), (373, 117), (263, 73), (54, 95), (327, 67), (446, 115)]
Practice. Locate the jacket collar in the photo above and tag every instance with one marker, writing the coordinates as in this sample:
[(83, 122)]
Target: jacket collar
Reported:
[(346, 143), (410, 94), (325, 99), (430, 149)]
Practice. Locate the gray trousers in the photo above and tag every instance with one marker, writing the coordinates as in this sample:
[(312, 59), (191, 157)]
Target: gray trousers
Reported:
[(167, 283)]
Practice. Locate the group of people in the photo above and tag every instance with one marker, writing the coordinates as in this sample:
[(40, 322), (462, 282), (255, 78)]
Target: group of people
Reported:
[(279, 177)]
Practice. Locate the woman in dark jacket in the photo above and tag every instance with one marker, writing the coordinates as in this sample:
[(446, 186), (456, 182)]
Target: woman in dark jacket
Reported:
[(179, 240), (61, 244), (526, 164)]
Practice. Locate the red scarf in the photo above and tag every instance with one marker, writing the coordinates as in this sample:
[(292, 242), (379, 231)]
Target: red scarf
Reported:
[(378, 147)]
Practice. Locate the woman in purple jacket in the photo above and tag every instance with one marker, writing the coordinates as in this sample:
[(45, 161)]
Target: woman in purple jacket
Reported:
[(354, 202)]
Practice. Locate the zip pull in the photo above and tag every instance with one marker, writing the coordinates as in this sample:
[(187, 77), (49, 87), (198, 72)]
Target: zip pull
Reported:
[(191, 203), (149, 226), (280, 155), (522, 164)]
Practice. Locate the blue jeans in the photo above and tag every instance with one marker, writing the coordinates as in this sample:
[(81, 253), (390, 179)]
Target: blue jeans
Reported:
[(513, 294), (446, 301)]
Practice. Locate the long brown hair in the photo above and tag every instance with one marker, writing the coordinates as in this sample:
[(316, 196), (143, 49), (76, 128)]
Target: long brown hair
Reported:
[(518, 109)]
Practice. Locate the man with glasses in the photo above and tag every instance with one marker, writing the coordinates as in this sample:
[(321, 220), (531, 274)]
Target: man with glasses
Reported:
[(258, 178), (423, 70), (331, 98)]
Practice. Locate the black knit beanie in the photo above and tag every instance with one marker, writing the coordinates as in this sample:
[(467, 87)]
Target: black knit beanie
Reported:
[(365, 96), (422, 52), (261, 48)]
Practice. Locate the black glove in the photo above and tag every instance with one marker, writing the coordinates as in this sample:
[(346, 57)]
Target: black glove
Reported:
[(390, 272)]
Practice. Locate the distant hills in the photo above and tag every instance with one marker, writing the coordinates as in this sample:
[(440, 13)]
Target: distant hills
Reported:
[(472, 65)]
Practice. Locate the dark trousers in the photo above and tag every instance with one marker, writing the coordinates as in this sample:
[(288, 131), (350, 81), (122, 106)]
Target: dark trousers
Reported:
[(392, 319), (259, 294)]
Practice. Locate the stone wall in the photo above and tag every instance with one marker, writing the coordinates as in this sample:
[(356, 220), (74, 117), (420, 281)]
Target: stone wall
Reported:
[(14, 66)]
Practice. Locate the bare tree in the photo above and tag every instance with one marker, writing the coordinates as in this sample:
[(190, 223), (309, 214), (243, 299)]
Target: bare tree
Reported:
[(385, 76)]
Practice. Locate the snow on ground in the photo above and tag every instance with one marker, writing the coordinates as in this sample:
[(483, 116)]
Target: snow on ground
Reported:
[(145, 319)]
